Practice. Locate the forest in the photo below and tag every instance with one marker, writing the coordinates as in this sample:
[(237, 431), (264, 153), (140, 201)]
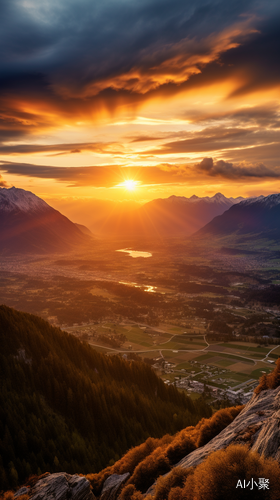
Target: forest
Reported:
[(64, 406)]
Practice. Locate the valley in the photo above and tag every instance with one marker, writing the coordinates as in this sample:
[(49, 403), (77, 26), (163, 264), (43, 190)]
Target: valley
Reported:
[(207, 318)]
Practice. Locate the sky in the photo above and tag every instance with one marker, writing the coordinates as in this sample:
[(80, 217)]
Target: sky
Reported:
[(139, 99)]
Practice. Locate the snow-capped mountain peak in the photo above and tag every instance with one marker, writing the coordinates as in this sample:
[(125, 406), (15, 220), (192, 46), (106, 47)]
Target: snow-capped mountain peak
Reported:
[(18, 199), (217, 198), (29, 225), (269, 201)]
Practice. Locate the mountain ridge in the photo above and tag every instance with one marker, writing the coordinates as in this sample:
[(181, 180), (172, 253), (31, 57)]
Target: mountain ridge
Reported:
[(164, 217), (255, 216)]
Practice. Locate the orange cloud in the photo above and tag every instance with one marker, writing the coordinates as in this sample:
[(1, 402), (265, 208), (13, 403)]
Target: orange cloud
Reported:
[(2, 182), (113, 176)]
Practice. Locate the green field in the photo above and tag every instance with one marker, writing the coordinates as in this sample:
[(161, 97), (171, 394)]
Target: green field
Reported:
[(239, 377), (186, 340), (223, 362), (186, 366), (179, 349), (258, 373), (247, 348)]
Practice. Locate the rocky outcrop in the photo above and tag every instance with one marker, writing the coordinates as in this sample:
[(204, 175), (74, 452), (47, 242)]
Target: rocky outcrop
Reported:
[(256, 425), (112, 486), (60, 486), (22, 491)]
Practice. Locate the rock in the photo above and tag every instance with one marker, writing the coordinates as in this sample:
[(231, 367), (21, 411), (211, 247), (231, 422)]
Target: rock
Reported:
[(62, 486), (251, 426), (268, 439), (112, 485), (22, 491)]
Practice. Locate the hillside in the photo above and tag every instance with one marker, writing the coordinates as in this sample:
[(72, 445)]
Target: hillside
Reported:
[(64, 406), (29, 224), (234, 455)]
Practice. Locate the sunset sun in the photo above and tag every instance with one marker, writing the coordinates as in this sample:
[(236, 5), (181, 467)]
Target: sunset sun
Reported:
[(130, 185)]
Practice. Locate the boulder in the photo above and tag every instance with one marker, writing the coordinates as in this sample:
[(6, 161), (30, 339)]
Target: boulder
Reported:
[(22, 491), (112, 486), (61, 486)]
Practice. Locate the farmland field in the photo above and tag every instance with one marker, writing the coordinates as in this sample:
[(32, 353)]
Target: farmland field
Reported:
[(189, 355)]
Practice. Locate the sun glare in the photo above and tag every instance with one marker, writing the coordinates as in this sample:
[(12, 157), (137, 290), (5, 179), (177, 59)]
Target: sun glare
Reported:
[(130, 185)]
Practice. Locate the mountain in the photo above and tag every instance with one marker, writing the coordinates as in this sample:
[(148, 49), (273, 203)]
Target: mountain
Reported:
[(29, 224), (65, 406), (171, 216), (255, 216)]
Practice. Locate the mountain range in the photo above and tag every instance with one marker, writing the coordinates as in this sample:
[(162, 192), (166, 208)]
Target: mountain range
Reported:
[(169, 217), (29, 224)]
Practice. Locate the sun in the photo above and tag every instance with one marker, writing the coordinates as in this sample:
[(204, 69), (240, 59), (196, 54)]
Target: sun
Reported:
[(129, 184)]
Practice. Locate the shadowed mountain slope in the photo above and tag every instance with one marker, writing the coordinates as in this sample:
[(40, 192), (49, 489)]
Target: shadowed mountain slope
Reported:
[(257, 216), (29, 224)]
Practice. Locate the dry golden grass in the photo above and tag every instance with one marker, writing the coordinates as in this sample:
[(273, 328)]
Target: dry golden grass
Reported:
[(217, 477), (147, 462)]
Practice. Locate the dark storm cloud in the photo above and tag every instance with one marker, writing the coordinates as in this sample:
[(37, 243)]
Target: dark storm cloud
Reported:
[(258, 59), (102, 39), (255, 59), (68, 52)]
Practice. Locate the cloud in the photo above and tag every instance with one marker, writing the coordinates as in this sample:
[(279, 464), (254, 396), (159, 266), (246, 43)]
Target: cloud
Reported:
[(227, 170), (105, 176), (2, 182), (59, 148), (260, 116), (217, 138), (98, 176), (78, 58), (85, 49), (110, 176)]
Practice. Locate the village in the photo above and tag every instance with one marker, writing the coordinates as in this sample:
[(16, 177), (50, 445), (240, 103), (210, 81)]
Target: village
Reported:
[(209, 382)]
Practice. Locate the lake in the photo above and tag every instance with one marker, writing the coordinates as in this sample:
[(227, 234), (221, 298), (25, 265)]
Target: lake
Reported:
[(135, 253)]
